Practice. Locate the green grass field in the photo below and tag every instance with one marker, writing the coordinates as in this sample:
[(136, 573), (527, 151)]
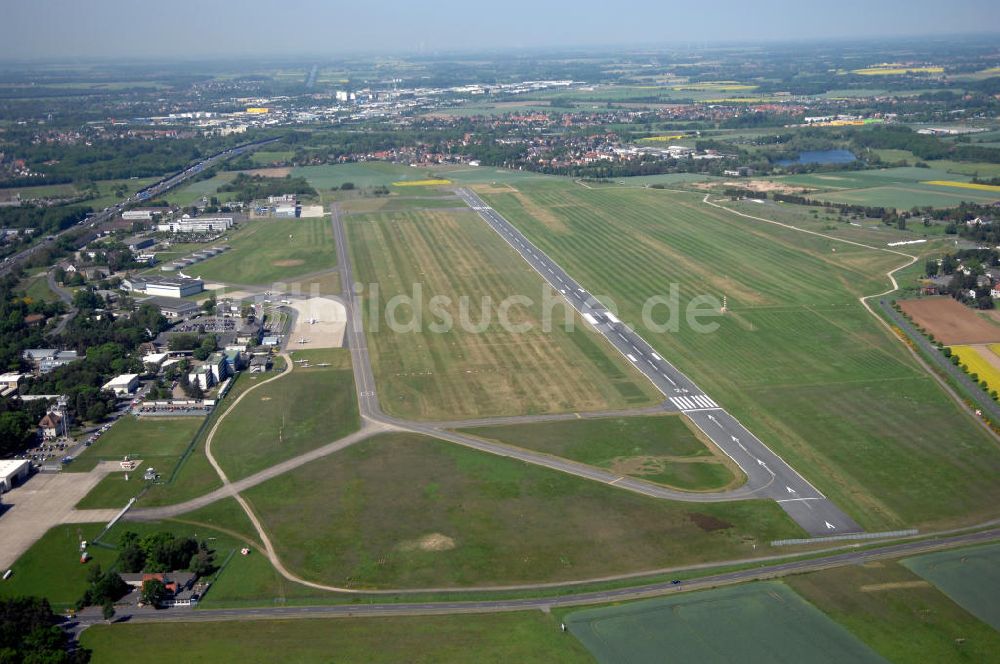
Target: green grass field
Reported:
[(37, 288), (503, 637), (195, 475), (192, 193), (290, 415), (459, 372), (758, 622), (900, 616), (796, 358), (401, 510), (368, 174), (265, 251), (268, 157), (969, 576), (658, 449), (157, 441), (51, 568)]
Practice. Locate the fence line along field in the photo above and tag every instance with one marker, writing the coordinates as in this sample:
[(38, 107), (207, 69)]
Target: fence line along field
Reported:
[(407, 511), (795, 357), (950, 321), (500, 370)]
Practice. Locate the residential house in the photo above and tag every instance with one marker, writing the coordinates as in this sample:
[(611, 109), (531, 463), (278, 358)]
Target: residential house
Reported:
[(54, 425)]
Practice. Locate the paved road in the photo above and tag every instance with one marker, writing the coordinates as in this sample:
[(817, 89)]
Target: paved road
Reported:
[(767, 474), (971, 388), (67, 297), (578, 599), (147, 194)]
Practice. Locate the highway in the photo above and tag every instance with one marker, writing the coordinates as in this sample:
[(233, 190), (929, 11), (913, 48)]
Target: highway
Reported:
[(768, 475), (146, 194)]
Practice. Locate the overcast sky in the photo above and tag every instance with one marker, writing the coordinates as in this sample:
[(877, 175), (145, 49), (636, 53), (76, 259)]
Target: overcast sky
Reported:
[(62, 29)]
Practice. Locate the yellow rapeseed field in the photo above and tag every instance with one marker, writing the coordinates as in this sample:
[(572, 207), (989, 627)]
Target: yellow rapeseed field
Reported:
[(978, 365), (421, 183), (896, 71), (672, 137), (964, 185)]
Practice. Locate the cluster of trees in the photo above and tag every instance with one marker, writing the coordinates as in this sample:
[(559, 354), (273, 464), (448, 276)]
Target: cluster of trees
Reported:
[(964, 287), (15, 333), (45, 219), (19, 424), (164, 552), (30, 634), (106, 345), (254, 187), (923, 146), (104, 588)]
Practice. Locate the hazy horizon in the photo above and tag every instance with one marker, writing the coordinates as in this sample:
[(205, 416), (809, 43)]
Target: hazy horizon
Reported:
[(184, 29)]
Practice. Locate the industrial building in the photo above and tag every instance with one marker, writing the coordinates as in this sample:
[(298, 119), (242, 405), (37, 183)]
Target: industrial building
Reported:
[(13, 472), (175, 287), (123, 385), (188, 224), (173, 307)]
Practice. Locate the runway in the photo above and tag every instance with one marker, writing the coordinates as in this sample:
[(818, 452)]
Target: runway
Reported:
[(768, 475)]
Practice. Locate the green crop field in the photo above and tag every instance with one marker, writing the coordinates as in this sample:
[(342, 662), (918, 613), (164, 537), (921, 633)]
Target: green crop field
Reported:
[(660, 449), (969, 576), (463, 372), (758, 622), (269, 250), (503, 637), (796, 358), (290, 415), (51, 567), (401, 510), (902, 617)]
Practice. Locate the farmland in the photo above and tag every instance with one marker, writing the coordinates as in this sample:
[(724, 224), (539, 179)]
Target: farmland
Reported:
[(794, 353), (902, 187), (981, 361), (401, 510), (763, 622), (474, 369), (902, 617), (266, 251), (505, 637), (951, 322), (658, 449), (290, 415), (968, 576)]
